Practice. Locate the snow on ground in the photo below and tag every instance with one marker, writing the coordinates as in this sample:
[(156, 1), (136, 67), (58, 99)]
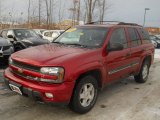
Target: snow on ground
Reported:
[(157, 54)]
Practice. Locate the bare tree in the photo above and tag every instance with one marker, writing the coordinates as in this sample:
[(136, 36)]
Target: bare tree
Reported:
[(39, 12), (90, 7), (47, 11), (102, 9), (78, 10), (61, 11), (29, 6)]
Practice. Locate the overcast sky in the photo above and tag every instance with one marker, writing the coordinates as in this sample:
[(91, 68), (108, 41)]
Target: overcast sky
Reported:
[(120, 10)]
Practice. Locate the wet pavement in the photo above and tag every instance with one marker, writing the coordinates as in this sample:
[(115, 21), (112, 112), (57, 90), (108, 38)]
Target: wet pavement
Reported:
[(124, 100)]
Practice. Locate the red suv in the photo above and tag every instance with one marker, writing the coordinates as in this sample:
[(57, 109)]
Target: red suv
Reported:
[(80, 62)]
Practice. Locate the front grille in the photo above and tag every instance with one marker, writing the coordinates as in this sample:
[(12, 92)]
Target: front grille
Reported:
[(6, 47), (25, 76), (25, 66), (3, 48)]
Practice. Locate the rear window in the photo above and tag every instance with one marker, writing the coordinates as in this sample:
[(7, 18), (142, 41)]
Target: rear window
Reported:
[(134, 37), (145, 35)]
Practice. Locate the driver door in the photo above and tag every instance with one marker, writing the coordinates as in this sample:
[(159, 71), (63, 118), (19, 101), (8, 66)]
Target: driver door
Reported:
[(118, 62)]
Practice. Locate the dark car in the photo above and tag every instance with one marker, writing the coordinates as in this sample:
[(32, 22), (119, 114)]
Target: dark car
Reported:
[(155, 39), (23, 38), (6, 48)]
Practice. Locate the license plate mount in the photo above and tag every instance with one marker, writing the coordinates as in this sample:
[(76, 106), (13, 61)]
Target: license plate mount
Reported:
[(15, 89)]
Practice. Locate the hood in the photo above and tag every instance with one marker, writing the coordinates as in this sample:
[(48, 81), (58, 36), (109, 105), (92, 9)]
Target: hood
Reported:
[(4, 42), (34, 41), (42, 55)]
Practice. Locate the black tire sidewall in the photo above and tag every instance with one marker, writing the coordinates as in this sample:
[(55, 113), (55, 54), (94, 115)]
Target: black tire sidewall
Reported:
[(75, 103), (139, 78)]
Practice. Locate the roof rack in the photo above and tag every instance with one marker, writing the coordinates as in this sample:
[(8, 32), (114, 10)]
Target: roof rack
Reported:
[(133, 24), (113, 22), (101, 22)]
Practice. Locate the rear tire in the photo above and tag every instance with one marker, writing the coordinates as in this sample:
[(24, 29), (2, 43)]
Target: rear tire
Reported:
[(85, 95), (144, 72)]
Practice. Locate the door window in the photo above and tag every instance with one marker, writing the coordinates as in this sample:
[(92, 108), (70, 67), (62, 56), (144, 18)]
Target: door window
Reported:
[(119, 36)]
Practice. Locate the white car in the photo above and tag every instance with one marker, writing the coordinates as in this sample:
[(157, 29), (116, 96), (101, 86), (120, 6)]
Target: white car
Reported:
[(158, 36), (39, 31), (51, 34), (154, 43)]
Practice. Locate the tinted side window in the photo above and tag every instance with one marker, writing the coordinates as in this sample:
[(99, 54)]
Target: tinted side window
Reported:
[(119, 36), (145, 35), (134, 37)]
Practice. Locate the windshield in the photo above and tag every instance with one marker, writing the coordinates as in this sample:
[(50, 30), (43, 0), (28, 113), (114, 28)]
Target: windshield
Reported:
[(84, 36), (23, 34)]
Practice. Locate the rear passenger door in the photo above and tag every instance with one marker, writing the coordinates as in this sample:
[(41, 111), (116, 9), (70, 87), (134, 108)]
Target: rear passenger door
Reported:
[(118, 62), (136, 49)]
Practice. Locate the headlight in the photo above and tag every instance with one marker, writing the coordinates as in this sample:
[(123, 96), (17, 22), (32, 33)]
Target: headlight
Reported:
[(52, 74)]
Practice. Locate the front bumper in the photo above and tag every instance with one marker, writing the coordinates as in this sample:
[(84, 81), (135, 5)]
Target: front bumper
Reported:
[(7, 52), (61, 92)]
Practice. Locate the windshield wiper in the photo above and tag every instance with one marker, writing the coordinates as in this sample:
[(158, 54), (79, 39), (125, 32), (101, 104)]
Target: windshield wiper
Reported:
[(76, 44), (58, 42)]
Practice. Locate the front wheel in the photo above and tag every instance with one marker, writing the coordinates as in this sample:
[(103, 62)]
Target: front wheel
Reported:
[(85, 95), (144, 72)]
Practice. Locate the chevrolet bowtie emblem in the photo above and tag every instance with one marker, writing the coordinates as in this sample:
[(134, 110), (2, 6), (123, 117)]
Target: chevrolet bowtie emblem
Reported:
[(20, 70)]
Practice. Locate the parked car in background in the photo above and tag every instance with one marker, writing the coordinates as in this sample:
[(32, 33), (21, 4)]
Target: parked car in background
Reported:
[(154, 43), (80, 62), (39, 31), (6, 48), (158, 36), (52, 34), (155, 39), (23, 38)]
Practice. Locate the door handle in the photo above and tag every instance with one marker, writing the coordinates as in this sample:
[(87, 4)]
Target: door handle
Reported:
[(143, 50), (127, 55)]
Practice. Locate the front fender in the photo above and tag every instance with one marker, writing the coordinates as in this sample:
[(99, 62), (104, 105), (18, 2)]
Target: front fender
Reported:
[(81, 69)]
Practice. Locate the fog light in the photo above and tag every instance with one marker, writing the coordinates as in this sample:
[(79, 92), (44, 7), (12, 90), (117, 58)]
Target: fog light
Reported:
[(49, 95)]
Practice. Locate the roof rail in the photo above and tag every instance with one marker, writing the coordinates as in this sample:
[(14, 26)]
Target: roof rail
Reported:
[(113, 22), (133, 24), (101, 22)]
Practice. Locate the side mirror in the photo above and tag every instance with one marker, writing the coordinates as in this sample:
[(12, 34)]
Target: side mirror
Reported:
[(10, 34), (115, 47)]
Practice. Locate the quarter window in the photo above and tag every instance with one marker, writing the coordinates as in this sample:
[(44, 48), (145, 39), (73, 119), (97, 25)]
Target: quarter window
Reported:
[(145, 36), (118, 36), (134, 37)]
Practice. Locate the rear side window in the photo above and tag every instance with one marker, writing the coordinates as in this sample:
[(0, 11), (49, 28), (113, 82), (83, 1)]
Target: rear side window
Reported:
[(134, 37), (119, 36), (145, 36)]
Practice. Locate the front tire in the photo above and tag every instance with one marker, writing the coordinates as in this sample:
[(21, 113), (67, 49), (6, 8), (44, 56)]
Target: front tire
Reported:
[(85, 95), (144, 72)]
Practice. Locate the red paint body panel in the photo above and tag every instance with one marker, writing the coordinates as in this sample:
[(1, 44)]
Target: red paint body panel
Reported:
[(77, 61)]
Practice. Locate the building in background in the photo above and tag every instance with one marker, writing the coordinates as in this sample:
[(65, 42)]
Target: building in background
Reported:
[(153, 30)]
